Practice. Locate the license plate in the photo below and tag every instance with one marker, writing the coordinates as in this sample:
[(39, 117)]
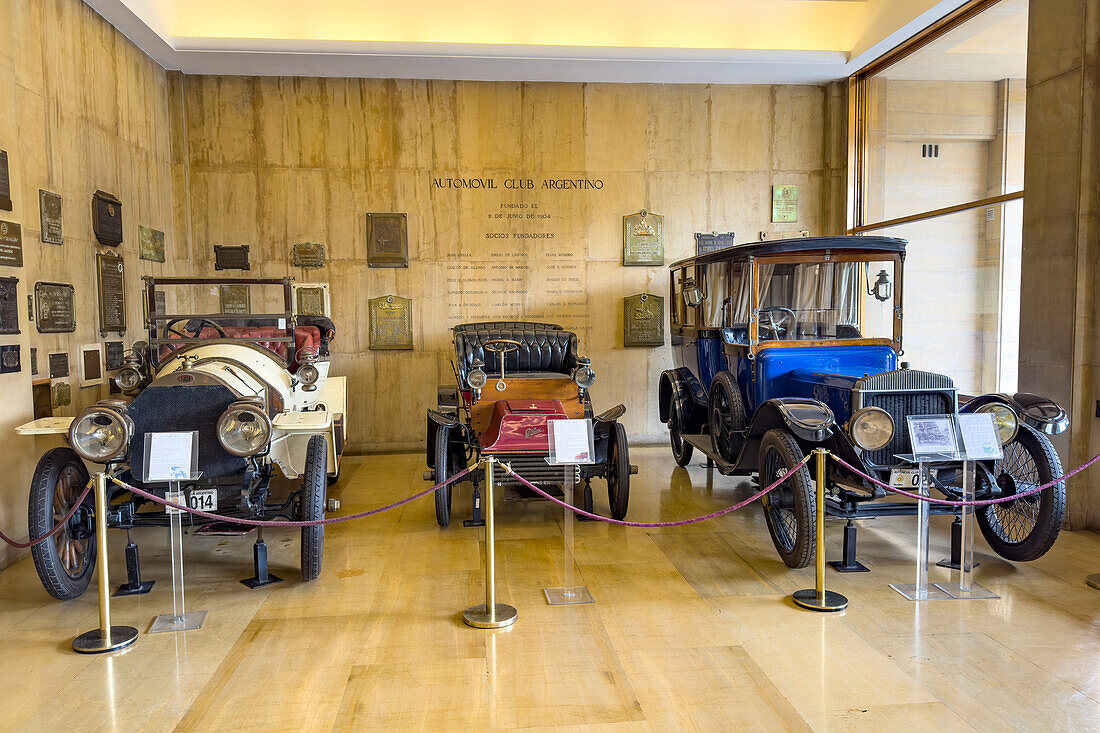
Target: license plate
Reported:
[(205, 500), (906, 478)]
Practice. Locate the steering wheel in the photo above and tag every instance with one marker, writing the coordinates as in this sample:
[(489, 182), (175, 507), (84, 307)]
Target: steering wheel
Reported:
[(502, 346), (778, 320), (198, 328)]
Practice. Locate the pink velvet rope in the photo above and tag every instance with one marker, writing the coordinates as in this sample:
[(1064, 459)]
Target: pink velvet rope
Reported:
[(983, 502), (289, 523), (677, 523), (56, 528)]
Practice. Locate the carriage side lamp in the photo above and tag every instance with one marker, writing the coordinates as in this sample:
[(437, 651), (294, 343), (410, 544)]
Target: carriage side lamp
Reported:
[(584, 375), (882, 288), (476, 378)]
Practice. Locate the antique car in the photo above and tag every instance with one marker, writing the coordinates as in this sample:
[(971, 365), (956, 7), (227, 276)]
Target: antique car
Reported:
[(255, 385), (782, 347), (537, 376)]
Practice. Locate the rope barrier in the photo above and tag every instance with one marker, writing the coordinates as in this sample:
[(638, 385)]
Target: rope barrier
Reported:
[(952, 502), (287, 523), (57, 527), (677, 523)]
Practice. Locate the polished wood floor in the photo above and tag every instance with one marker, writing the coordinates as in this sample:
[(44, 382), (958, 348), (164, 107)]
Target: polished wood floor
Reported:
[(692, 629)]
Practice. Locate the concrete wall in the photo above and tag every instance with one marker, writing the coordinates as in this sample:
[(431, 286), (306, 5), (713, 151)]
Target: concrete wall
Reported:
[(1059, 350)]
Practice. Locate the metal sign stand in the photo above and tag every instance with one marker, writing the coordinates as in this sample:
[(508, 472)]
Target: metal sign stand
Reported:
[(568, 593), (920, 591), (180, 619), (965, 588)]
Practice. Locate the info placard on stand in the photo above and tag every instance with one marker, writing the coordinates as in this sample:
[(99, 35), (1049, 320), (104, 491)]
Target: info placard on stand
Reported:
[(571, 444), (940, 440), (174, 457)]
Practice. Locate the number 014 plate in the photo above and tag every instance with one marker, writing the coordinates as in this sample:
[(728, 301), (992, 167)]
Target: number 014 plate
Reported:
[(205, 500)]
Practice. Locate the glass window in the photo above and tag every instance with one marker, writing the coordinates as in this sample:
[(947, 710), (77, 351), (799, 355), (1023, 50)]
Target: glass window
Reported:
[(676, 297)]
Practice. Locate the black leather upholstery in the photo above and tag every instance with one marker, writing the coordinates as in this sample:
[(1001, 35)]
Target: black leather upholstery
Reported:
[(542, 351), (514, 325)]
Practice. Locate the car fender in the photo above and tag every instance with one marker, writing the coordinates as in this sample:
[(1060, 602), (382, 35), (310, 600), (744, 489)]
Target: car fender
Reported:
[(436, 420), (1041, 413), (680, 387), (809, 420), (290, 436)]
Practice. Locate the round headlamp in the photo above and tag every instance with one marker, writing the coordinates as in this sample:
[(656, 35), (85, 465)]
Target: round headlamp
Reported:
[(308, 374), (476, 378), (871, 428), (244, 429), (583, 374), (128, 378), (1005, 420), (101, 433)]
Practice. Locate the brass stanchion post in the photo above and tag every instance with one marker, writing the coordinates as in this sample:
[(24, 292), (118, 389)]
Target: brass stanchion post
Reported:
[(106, 638), (817, 598), (489, 615)]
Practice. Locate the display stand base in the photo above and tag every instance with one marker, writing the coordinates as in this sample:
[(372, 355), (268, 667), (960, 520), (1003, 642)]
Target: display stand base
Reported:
[(568, 596), (255, 583), (128, 589), (184, 622), (478, 616), (1093, 581), (931, 593), (92, 642), (976, 591), (809, 599)]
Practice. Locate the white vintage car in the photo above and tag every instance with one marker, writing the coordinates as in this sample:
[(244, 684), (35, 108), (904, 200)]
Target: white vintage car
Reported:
[(253, 383)]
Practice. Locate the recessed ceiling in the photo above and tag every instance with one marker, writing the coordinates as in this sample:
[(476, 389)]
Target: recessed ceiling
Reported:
[(737, 41)]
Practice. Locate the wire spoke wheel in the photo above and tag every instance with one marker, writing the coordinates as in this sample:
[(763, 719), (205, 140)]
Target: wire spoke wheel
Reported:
[(727, 416), (789, 508)]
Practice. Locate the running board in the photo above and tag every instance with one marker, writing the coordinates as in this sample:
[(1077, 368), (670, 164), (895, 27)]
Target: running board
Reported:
[(702, 444)]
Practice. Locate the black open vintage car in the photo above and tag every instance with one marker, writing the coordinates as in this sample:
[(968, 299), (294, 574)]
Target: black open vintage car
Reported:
[(537, 376), (785, 346)]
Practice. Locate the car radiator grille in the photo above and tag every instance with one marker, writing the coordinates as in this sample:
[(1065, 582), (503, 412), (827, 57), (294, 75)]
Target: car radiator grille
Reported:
[(531, 466), (901, 405)]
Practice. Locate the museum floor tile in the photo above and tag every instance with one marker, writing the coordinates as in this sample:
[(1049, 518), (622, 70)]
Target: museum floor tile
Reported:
[(692, 628)]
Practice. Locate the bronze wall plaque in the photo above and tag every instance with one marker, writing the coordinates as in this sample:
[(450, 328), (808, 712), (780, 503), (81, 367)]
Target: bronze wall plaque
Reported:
[(5, 182), (310, 301), (9, 305), (9, 359), (231, 258), (114, 353), (49, 213), (59, 365), (387, 240), (308, 254), (644, 239), (390, 322), (235, 298), (43, 402), (111, 281), (107, 218), (34, 361), (11, 244), (54, 306), (644, 320), (62, 394), (150, 244)]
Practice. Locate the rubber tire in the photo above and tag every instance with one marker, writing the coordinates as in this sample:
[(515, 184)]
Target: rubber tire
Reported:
[(40, 520), (618, 471), (681, 449), (313, 507), (443, 470), (801, 487), (1052, 503), (724, 383)]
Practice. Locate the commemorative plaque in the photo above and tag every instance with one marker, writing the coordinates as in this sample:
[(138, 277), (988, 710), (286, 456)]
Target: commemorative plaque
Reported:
[(308, 254), (5, 182), (34, 361), (234, 299), (11, 244), (310, 300), (390, 322), (59, 365), (784, 204), (707, 243), (9, 359), (231, 258), (9, 305), (113, 352), (43, 402), (53, 302), (112, 293), (62, 394), (150, 244), (107, 218), (387, 240), (643, 239), (643, 320), (49, 213)]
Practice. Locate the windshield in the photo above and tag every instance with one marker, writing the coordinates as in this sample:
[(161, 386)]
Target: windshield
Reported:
[(812, 301)]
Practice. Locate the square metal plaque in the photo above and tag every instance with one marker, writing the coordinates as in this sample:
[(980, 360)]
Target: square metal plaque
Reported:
[(107, 218), (784, 204), (11, 244), (9, 305), (62, 394), (235, 298), (113, 354), (387, 240), (59, 365), (643, 239), (150, 244), (49, 213), (231, 258), (55, 308), (390, 322), (308, 254), (9, 359)]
